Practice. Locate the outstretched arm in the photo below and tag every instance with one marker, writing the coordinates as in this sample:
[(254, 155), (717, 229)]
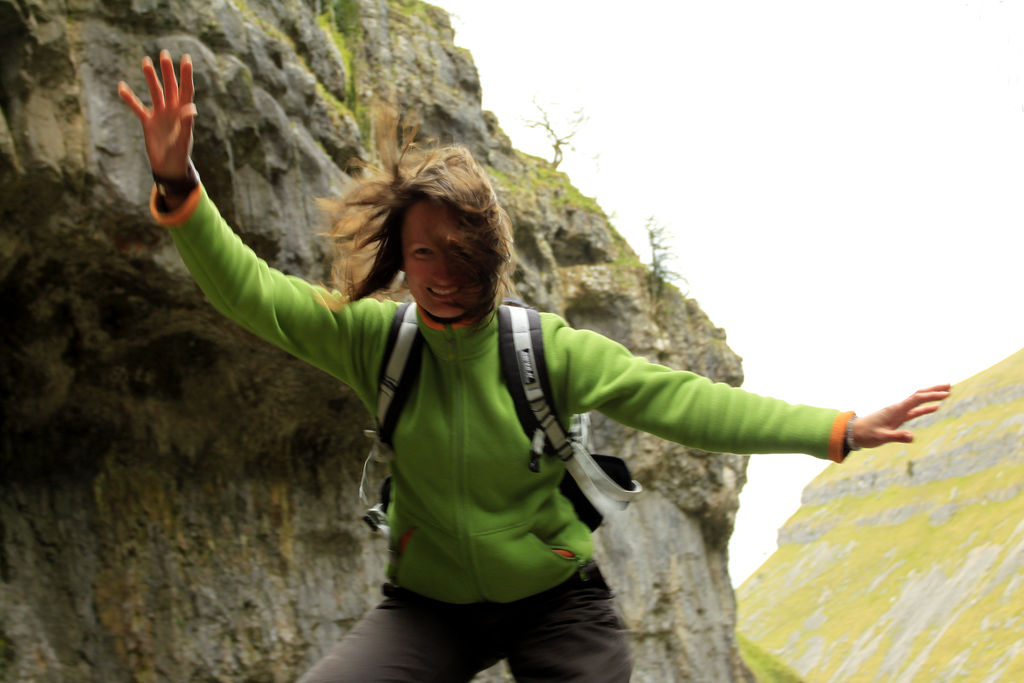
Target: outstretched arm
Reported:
[(883, 426), (344, 341), (167, 126)]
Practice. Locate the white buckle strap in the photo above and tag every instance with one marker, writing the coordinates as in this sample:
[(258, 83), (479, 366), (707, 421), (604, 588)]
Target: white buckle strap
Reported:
[(604, 494), (379, 452)]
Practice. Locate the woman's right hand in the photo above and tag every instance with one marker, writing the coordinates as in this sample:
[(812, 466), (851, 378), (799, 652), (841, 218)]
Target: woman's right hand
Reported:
[(167, 127)]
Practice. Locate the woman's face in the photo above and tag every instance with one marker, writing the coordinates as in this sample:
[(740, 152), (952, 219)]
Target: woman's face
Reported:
[(427, 262)]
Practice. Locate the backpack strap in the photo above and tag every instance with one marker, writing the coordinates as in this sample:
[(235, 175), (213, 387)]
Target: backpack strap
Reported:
[(525, 370), (521, 346), (398, 370)]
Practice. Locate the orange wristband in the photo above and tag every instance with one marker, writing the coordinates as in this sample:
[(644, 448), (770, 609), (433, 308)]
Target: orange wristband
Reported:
[(837, 438)]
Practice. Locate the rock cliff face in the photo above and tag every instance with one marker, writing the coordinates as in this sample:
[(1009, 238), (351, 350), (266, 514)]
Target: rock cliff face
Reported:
[(907, 563), (178, 501)]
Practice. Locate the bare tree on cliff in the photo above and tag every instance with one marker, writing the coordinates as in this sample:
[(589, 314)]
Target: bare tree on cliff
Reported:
[(558, 139)]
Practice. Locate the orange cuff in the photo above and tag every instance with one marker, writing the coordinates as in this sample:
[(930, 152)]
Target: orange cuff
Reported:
[(179, 216), (837, 437)]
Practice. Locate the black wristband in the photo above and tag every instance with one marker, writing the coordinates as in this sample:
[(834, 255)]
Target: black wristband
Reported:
[(177, 187)]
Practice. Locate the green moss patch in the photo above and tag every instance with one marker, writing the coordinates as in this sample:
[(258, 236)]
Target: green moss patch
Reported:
[(341, 24), (539, 178)]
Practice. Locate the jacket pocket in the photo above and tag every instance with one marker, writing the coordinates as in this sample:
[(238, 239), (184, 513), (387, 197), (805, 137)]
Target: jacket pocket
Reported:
[(403, 540), (517, 563), (427, 561)]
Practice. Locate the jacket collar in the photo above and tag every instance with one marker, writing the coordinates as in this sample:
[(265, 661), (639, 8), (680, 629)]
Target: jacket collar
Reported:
[(458, 341)]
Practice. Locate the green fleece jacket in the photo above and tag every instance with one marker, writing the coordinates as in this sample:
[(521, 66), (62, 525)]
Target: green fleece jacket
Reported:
[(471, 521)]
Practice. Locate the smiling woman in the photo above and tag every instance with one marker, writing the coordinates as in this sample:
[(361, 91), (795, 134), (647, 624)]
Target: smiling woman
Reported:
[(439, 204), (430, 261)]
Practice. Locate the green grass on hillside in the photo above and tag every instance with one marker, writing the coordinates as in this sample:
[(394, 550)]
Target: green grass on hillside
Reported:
[(765, 666), (850, 583)]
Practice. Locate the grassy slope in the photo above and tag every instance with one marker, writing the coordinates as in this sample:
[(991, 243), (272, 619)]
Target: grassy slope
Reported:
[(915, 581), (765, 666)]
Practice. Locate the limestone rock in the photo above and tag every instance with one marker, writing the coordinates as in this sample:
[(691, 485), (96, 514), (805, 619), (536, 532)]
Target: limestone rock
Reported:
[(178, 500)]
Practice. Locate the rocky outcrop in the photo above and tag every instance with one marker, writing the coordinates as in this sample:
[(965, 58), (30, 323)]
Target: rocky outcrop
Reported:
[(178, 500), (907, 562)]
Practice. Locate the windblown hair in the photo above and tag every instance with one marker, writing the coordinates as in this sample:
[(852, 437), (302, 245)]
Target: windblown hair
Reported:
[(369, 218)]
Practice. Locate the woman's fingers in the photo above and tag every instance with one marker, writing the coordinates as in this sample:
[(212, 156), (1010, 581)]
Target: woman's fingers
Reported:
[(156, 93), (921, 410), (915, 402), (166, 96), (936, 393), (898, 436), (187, 90), (883, 426), (136, 105), (170, 82)]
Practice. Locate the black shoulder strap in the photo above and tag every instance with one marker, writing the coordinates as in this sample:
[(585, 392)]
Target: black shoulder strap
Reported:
[(537, 337), (524, 368), (398, 370)]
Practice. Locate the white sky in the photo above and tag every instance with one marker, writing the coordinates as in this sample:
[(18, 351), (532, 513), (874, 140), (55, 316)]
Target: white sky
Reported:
[(843, 181)]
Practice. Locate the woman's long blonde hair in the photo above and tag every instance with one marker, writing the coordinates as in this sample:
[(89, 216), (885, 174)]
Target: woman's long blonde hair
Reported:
[(369, 218)]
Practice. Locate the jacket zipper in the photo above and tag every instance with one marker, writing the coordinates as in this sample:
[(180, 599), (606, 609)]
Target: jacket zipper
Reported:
[(458, 448)]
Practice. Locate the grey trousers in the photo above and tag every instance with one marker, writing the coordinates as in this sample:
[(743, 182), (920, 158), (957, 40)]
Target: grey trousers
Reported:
[(569, 633)]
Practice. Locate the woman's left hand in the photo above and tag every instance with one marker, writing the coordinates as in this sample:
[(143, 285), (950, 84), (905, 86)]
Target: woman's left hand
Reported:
[(883, 426), (167, 126)]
